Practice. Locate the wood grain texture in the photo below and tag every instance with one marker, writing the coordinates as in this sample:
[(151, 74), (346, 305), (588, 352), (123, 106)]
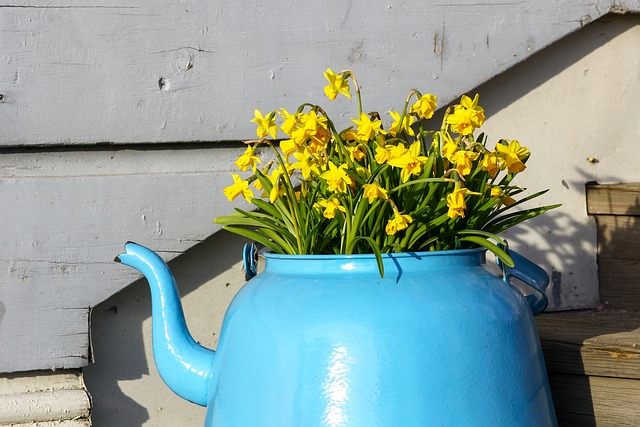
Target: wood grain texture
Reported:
[(191, 71), (57, 254), (613, 199), (620, 282), (593, 360), (616, 208), (166, 71), (595, 401), (618, 236), (592, 343)]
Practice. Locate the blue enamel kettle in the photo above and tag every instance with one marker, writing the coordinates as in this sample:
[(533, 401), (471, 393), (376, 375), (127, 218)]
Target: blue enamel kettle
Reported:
[(324, 341)]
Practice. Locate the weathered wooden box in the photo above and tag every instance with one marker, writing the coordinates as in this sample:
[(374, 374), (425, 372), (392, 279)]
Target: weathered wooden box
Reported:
[(593, 356)]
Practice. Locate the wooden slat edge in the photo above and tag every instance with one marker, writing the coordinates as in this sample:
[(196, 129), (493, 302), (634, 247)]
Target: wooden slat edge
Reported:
[(613, 199), (66, 423), (605, 343), (30, 399), (596, 401), (35, 381), (567, 358), (44, 406)]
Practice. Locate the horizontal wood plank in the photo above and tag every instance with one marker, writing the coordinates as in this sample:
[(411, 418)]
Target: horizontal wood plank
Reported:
[(605, 343), (593, 360), (613, 199), (74, 227), (595, 401), (167, 71), (65, 423), (44, 399)]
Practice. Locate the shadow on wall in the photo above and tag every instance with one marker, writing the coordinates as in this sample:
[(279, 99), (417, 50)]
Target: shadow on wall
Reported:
[(566, 243), (563, 240), (561, 244), (618, 255), (118, 338)]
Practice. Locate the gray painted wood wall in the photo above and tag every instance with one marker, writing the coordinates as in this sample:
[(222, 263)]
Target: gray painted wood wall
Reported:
[(116, 121)]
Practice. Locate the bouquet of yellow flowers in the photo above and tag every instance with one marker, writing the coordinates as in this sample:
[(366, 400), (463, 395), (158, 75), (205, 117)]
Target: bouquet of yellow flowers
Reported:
[(367, 189)]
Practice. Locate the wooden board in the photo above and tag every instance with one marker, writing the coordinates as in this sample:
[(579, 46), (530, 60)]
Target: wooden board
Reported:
[(619, 236), (593, 343), (613, 199), (593, 360), (620, 282), (616, 208), (44, 399), (167, 71), (64, 232), (595, 401)]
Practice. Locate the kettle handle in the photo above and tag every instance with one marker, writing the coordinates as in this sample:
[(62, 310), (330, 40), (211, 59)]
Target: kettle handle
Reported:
[(532, 275), (250, 260)]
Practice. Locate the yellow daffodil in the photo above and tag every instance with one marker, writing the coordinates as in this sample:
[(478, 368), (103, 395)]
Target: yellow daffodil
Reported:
[(466, 117), (336, 177), (397, 223), (356, 151), (382, 155), (397, 128), (490, 163), (463, 159), (389, 152), (337, 84), (363, 172), (450, 146), (277, 187), (289, 146), (258, 186), (513, 155), (367, 128), (410, 161), (290, 122), (477, 112), (330, 207), (306, 164), (456, 202), (425, 106), (498, 193), (460, 121), (348, 134), (313, 131), (247, 159), (266, 125), (397, 151), (239, 186), (374, 191)]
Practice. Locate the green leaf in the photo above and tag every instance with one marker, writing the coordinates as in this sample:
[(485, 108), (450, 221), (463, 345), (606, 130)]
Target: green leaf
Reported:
[(256, 236), (518, 202), (418, 181), (267, 207), (504, 222), (504, 257), (250, 220), (376, 252), (287, 244)]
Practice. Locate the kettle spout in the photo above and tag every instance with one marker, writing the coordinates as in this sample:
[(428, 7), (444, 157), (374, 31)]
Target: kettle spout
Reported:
[(184, 365)]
